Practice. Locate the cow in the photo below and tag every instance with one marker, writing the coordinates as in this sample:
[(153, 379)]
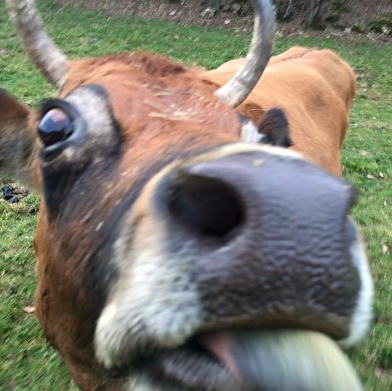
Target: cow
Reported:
[(315, 89), (194, 231)]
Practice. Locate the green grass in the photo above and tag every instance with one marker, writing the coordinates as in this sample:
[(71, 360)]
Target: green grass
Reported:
[(26, 361)]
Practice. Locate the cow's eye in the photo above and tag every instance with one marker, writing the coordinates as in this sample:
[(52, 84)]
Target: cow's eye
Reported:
[(55, 126)]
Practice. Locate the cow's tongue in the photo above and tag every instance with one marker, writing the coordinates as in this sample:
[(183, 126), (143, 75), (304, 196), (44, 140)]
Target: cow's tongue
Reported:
[(283, 360)]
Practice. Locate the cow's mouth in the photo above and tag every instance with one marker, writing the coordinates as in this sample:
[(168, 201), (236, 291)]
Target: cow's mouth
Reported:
[(266, 360), (192, 366)]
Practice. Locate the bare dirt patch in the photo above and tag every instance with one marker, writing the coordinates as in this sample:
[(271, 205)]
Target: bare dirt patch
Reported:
[(354, 23)]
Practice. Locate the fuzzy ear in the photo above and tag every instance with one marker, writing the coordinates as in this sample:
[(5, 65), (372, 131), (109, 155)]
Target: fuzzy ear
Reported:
[(275, 127), (17, 142)]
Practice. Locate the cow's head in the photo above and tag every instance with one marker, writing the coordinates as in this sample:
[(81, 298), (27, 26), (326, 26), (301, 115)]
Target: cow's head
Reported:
[(172, 256)]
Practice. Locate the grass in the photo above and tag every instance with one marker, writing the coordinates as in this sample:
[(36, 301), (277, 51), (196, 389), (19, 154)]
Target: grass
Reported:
[(26, 362)]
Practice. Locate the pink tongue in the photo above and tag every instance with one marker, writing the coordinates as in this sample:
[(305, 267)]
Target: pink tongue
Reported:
[(220, 344), (282, 360)]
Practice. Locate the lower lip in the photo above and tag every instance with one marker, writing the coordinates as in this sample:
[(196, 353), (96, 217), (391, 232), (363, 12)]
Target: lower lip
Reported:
[(193, 370)]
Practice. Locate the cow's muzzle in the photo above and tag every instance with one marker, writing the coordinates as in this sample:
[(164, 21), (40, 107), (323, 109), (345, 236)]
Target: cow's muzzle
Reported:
[(246, 238), (267, 235)]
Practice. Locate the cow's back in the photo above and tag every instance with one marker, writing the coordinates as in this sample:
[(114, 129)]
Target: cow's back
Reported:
[(315, 88)]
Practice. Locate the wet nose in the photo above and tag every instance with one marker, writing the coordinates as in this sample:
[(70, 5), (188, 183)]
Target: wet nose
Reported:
[(273, 193), (273, 228)]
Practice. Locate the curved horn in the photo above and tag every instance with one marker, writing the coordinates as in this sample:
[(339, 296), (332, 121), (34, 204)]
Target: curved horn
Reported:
[(53, 64), (235, 91)]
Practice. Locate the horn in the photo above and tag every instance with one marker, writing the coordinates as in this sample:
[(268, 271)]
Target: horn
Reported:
[(46, 56), (235, 91)]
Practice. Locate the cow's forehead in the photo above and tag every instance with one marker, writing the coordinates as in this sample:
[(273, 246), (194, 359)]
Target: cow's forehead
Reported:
[(154, 94)]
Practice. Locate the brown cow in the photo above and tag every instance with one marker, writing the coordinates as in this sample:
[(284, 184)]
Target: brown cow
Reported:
[(315, 88), (172, 256)]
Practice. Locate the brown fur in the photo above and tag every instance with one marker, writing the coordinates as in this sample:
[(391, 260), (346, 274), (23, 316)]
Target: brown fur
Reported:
[(163, 110), (315, 89)]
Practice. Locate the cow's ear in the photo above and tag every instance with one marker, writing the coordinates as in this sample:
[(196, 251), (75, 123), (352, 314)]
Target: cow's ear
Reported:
[(17, 142), (275, 128)]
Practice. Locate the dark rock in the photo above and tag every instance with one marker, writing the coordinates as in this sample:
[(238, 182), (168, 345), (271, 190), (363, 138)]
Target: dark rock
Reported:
[(8, 192)]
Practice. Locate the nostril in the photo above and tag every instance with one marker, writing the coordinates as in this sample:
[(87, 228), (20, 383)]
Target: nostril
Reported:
[(206, 205)]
